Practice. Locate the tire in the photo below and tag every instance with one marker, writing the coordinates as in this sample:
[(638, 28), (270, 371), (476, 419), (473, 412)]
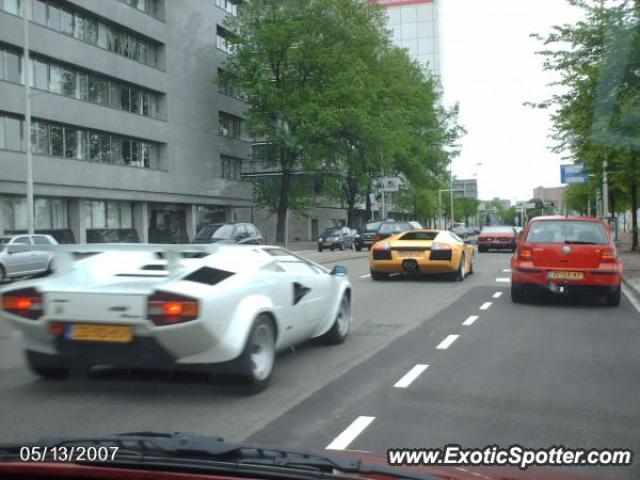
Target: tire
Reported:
[(471, 266), (319, 249), (379, 276), (47, 366), (459, 275), (359, 248), (339, 331), (3, 275), (481, 249), (517, 293), (613, 298), (341, 246), (257, 366)]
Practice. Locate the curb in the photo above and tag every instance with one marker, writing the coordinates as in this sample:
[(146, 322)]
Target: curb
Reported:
[(342, 259)]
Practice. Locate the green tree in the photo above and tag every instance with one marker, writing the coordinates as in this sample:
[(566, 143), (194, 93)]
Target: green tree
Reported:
[(597, 113)]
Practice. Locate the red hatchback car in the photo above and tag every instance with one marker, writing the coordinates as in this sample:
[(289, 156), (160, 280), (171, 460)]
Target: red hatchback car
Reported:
[(566, 255)]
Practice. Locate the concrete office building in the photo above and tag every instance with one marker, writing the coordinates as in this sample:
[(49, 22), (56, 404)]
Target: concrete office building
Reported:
[(551, 195), (131, 138)]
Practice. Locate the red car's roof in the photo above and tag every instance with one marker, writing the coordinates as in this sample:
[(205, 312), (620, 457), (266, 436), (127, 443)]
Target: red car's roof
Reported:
[(563, 217)]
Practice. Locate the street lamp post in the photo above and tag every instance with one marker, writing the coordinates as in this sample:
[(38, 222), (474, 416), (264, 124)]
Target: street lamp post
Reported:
[(27, 118)]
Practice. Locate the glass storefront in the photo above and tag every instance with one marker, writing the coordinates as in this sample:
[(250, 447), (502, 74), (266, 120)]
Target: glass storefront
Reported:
[(50, 213)]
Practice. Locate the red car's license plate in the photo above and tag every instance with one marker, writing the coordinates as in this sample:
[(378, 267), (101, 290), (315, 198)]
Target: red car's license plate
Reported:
[(566, 275)]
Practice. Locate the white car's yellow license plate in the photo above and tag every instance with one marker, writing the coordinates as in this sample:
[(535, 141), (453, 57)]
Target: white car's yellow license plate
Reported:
[(566, 275), (100, 333), (409, 253)]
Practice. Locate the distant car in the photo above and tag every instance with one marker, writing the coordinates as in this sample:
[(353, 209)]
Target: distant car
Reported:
[(208, 308), (461, 230), (566, 255), (497, 237), (25, 261), (416, 225), (242, 233), (422, 252), (367, 235), (336, 237), (391, 228)]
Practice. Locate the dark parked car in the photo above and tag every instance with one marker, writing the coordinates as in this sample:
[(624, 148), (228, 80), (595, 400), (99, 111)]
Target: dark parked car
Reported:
[(367, 235), (243, 233), (336, 237), (391, 228)]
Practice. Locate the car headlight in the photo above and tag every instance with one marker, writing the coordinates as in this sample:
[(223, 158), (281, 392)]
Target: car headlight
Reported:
[(319, 239)]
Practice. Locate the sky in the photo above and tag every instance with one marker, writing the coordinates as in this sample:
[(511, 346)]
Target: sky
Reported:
[(489, 67)]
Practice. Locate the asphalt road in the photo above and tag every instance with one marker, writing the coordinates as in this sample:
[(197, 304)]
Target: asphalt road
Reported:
[(550, 373)]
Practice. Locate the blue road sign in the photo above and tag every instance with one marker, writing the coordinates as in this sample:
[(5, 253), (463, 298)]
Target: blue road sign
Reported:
[(572, 173)]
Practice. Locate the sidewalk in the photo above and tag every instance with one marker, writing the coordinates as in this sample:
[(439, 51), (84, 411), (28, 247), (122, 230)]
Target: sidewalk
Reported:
[(631, 264)]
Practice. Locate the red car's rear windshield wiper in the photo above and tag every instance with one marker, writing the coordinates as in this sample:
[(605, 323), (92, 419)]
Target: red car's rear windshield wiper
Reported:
[(579, 242)]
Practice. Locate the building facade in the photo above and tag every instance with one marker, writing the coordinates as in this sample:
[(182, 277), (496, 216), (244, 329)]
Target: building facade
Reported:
[(132, 139), (414, 25), (552, 197)]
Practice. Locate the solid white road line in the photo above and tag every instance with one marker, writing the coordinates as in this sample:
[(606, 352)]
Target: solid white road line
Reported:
[(469, 321), (486, 305), (410, 376), (631, 297), (497, 295), (503, 280), (446, 343), (343, 440), (365, 276)]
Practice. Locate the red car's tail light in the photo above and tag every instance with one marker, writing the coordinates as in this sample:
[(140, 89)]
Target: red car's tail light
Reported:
[(607, 255), (525, 253), (440, 246), (169, 308), (26, 303)]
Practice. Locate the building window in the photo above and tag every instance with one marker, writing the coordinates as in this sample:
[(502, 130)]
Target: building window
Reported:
[(83, 85), (222, 39), (58, 140), (50, 213), (231, 167), (66, 20), (149, 7), (230, 125), (229, 6), (10, 68), (10, 133), (101, 214), (10, 6)]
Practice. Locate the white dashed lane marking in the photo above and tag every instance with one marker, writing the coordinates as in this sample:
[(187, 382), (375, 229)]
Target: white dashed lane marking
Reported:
[(503, 280), (497, 295), (506, 270), (469, 321), (343, 440), (410, 376), (365, 276), (486, 305), (446, 343)]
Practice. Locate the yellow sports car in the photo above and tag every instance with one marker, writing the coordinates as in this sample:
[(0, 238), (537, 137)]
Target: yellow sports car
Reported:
[(422, 252)]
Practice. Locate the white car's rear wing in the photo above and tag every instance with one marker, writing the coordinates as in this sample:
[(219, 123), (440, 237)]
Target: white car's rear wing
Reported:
[(66, 256)]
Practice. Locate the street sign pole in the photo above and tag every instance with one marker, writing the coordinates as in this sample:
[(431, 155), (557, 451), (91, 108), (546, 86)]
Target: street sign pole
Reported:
[(605, 190)]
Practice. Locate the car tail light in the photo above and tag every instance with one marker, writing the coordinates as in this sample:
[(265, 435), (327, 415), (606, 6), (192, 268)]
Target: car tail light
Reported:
[(26, 303), (607, 255), (440, 246), (165, 308), (525, 253)]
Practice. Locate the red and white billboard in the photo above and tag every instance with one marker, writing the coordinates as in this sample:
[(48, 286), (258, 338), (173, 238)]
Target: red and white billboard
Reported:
[(399, 3)]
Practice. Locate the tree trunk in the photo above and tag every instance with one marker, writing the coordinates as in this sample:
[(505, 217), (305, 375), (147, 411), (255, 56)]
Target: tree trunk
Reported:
[(634, 202), (367, 201), (283, 198), (351, 191), (634, 215)]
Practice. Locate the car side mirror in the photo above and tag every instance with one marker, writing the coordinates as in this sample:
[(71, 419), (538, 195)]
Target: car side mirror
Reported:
[(339, 271)]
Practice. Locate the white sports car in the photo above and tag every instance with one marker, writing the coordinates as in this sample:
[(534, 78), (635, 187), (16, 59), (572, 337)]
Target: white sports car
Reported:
[(222, 309)]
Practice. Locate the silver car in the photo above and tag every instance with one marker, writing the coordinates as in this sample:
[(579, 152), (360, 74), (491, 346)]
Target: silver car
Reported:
[(20, 262)]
